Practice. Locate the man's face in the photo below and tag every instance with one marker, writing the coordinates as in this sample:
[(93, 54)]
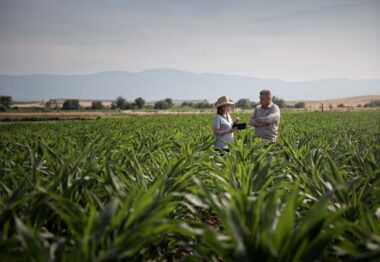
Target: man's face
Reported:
[(265, 100)]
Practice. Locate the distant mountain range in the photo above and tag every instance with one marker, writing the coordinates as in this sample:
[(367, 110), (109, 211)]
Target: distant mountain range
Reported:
[(167, 83)]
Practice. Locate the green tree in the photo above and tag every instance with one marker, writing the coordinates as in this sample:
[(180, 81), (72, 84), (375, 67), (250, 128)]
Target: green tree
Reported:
[(52, 104), (253, 104), (373, 103), (120, 101), (5, 101), (243, 103), (96, 105), (71, 104), (170, 102), (162, 104), (186, 103), (203, 104), (300, 105), (140, 102), (128, 105), (278, 101)]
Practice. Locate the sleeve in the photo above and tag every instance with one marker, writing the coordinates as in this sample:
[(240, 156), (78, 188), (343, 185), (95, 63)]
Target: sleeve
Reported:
[(272, 117), (253, 116), (216, 123)]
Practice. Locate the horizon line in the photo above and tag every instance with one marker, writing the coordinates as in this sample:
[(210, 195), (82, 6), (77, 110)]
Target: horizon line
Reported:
[(200, 99), (183, 71)]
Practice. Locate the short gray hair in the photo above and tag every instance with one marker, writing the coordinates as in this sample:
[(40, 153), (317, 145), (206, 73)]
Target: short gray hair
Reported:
[(265, 92)]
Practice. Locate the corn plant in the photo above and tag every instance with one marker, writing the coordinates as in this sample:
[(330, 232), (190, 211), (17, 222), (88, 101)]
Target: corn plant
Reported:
[(153, 188)]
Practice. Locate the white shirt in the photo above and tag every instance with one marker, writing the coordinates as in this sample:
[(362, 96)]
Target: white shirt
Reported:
[(223, 123)]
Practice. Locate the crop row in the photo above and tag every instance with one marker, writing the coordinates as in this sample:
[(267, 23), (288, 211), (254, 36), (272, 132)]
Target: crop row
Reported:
[(152, 188)]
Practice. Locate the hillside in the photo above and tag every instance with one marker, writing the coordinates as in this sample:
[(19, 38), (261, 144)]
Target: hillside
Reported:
[(179, 85), (347, 101)]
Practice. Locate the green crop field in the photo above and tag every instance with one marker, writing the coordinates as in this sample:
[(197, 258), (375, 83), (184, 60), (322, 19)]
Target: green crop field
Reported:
[(152, 188)]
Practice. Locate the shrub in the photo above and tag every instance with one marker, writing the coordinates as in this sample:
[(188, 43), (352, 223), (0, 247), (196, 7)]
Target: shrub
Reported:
[(373, 103), (243, 103), (188, 104), (119, 103), (203, 104), (5, 101), (71, 104), (140, 102), (278, 101), (96, 105), (299, 105), (341, 105), (162, 104), (169, 101), (52, 104)]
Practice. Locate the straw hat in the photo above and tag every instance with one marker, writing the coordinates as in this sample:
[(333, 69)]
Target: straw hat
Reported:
[(223, 101)]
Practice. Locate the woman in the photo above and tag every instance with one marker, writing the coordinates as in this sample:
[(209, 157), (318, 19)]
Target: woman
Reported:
[(222, 124)]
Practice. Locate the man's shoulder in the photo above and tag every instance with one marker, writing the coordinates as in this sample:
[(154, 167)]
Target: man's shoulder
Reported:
[(273, 105)]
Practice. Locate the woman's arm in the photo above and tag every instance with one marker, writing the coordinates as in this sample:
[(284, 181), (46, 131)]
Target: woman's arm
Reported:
[(219, 132)]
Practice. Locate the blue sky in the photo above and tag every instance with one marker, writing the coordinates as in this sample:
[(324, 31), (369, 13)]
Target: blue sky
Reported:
[(288, 40)]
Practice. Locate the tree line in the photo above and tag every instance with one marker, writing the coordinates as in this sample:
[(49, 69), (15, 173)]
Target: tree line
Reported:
[(139, 103)]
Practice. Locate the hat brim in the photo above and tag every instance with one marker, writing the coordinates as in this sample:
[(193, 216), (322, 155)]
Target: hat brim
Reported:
[(224, 104)]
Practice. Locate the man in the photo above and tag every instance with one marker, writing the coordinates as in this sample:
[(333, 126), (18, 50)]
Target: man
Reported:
[(266, 117)]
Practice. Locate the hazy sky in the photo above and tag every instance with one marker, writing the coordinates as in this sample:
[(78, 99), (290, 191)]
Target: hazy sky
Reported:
[(288, 40)]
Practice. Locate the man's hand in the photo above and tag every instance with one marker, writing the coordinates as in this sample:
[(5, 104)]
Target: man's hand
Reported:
[(254, 121), (257, 123)]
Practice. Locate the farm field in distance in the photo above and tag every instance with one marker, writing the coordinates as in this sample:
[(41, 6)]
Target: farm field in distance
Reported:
[(152, 188)]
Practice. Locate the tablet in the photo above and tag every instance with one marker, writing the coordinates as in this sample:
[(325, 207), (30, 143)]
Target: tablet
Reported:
[(240, 125)]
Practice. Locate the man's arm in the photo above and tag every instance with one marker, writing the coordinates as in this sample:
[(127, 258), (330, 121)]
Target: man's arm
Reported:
[(254, 120), (272, 117)]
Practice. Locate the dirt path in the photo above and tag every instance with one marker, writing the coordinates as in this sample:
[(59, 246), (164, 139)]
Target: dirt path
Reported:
[(50, 114)]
